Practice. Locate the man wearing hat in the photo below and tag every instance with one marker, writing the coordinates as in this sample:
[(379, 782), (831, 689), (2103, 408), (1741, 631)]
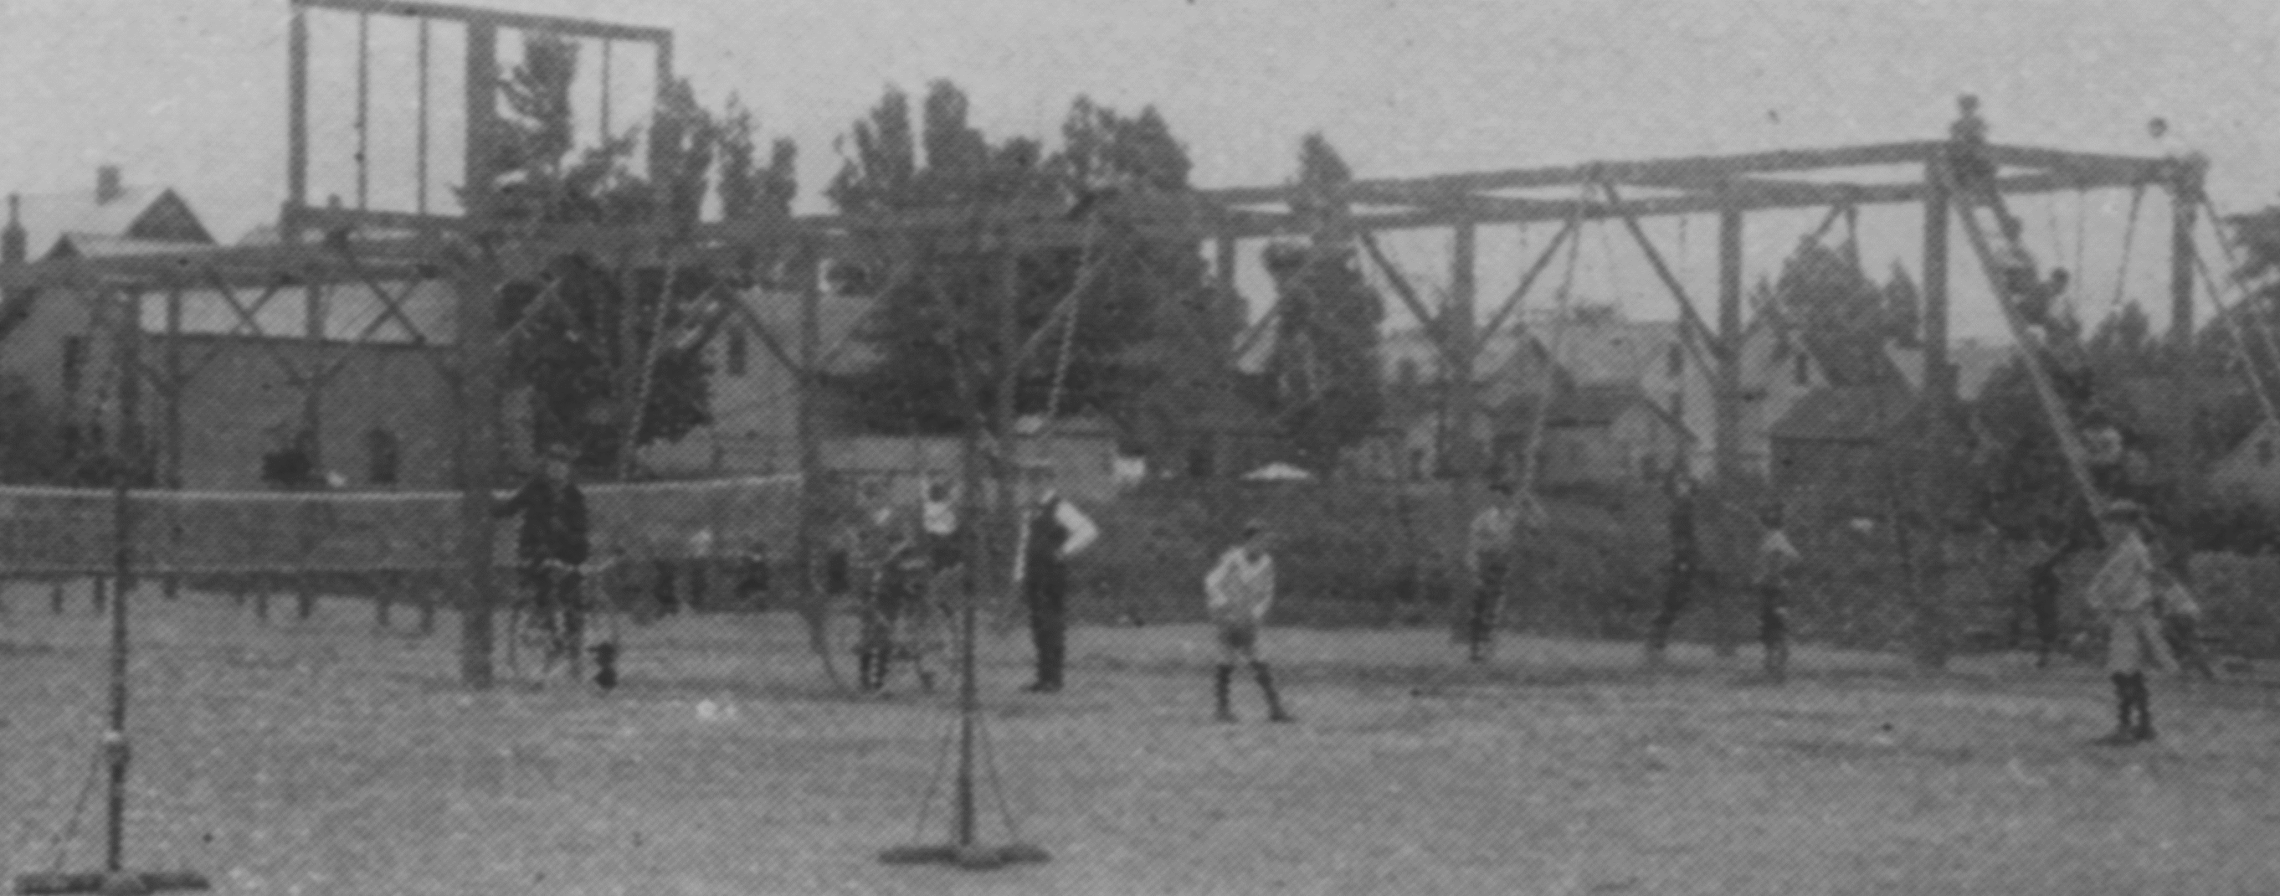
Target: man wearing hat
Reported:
[(1237, 593), (551, 545), (1054, 532), (2125, 599), (1685, 564), (1488, 553)]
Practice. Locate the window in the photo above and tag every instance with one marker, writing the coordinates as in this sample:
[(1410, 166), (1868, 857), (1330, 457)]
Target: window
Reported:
[(74, 364), (739, 351), (1804, 372), (1674, 361), (383, 456)]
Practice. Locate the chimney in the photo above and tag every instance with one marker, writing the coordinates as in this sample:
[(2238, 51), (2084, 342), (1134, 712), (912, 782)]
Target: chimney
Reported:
[(12, 239), (107, 186)]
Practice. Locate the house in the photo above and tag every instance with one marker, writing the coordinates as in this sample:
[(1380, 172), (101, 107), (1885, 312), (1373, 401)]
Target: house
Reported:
[(755, 396), (1609, 433), (2251, 470), (114, 218), (1835, 431), (1599, 352)]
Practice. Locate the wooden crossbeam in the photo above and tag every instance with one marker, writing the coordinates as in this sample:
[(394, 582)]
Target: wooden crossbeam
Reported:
[(1528, 280), (391, 306), (1693, 318), (562, 25), (1430, 321)]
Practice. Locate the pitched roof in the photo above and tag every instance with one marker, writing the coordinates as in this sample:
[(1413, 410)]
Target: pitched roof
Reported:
[(1845, 414), (48, 217), (1611, 351)]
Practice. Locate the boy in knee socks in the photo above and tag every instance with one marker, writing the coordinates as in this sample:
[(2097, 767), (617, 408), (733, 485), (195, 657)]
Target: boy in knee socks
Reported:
[(2124, 597), (1238, 592)]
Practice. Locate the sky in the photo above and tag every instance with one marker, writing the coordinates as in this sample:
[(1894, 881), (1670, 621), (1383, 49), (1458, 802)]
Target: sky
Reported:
[(191, 94)]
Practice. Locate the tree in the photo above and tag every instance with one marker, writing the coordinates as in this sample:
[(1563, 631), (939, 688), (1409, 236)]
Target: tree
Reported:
[(1903, 309), (602, 357), (33, 450), (1845, 316), (943, 317), (1324, 366)]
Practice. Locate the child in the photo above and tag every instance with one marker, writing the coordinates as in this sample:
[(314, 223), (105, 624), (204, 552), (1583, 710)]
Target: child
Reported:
[(1238, 592), (1776, 557), (2123, 596), (894, 591)]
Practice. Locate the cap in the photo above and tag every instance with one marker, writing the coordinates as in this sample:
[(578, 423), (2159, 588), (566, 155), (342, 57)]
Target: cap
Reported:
[(2124, 510), (1253, 526), (559, 451)]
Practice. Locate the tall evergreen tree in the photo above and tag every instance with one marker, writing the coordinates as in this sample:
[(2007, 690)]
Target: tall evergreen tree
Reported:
[(937, 334), (1324, 366), (601, 356)]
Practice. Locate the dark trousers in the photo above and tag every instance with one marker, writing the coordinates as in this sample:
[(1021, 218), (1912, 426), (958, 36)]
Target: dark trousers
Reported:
[(1046, 589), (1488, 589), (1678, 591)]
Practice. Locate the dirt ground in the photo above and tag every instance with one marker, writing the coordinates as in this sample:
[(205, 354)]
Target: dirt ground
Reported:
[(324, 757)]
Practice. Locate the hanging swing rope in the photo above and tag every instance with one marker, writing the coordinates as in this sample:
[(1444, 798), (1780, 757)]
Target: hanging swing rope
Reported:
[(2129, 239)]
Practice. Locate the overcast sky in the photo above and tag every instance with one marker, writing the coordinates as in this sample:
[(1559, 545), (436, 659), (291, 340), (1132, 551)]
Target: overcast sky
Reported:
[(190, 94)]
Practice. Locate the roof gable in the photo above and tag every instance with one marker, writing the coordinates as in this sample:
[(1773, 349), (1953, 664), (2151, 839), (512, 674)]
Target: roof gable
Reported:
[(141, 213)]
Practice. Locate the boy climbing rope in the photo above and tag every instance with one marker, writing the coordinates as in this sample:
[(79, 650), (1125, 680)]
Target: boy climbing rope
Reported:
[(1237, 593)]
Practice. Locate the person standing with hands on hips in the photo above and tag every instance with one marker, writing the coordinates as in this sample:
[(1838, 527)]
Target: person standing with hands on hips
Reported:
[(1054, 532), (1237, 593)]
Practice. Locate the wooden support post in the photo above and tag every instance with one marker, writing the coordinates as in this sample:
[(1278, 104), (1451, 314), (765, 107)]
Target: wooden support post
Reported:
[(419, 196), (478, 393), (312, 431), (664, 89), (806, 375), (297, 112), (1935, 285), (1924, 457), (1465, 454), (1726, 434), (176, 384), (2184, 207)]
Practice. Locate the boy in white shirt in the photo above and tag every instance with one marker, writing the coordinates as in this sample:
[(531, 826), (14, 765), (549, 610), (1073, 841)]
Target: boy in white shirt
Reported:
[(1238, 592), (1777, 557)]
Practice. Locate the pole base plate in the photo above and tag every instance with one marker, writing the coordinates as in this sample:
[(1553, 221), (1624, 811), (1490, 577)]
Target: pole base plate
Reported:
[(110, 883), (975, 857)]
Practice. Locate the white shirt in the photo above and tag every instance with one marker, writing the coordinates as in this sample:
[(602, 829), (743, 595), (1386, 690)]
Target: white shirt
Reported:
[(940, 517), (1240, 588), (1082, 532)]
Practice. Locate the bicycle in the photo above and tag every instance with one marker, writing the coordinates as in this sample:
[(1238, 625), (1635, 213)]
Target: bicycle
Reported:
[(558, 633)]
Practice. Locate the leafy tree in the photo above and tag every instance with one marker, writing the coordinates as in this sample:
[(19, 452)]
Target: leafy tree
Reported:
[(604, 351), (937, 332), (1844, 314), (33, 449), (1324, 366), (1903, 309)]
